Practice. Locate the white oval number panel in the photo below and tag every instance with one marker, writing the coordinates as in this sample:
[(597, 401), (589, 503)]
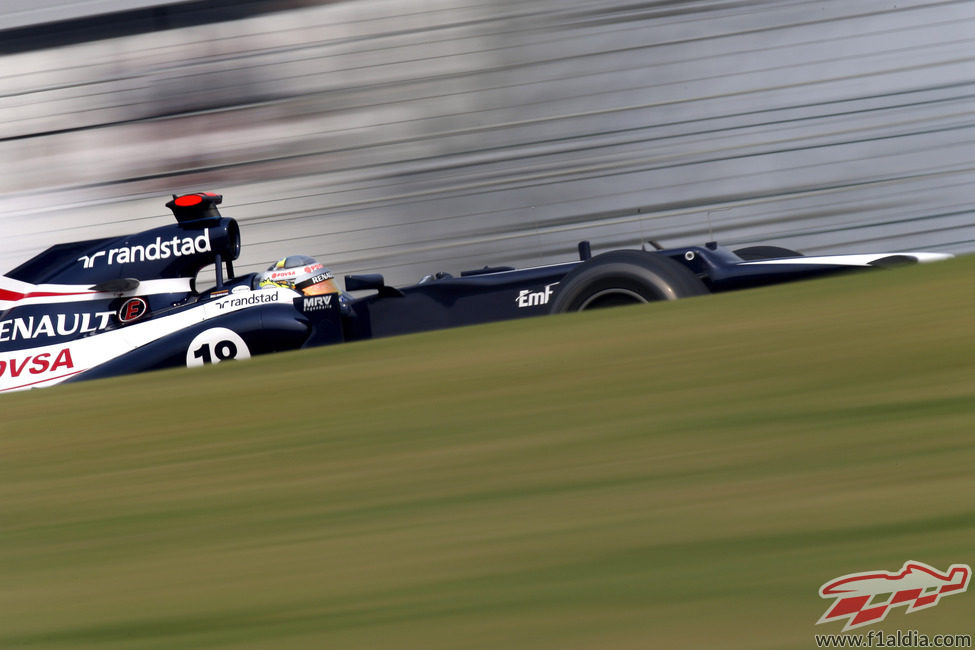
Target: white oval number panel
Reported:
[(215, 345)]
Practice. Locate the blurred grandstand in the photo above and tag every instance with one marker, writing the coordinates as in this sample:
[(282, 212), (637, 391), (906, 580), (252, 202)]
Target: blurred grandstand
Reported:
[(407, 136)]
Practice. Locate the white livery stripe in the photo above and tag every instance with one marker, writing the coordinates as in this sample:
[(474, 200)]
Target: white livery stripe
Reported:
[(14, 293), (849, 260)]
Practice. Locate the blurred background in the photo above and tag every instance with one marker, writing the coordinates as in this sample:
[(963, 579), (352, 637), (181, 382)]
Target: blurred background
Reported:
[(413, 136)]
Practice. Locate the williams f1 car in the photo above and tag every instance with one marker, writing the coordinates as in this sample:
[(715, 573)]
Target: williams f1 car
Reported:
[(106, 307)]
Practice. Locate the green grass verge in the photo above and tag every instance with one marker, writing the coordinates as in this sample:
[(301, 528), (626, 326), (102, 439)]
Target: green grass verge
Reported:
[(674, 475)]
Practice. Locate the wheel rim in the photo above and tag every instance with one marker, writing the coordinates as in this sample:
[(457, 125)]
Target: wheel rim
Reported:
[(612, 298)]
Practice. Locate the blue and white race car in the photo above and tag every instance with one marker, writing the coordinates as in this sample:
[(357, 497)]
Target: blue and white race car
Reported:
[(106, 307)]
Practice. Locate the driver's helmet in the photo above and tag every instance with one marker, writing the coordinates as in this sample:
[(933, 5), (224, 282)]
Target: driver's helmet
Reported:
[(300, 273)]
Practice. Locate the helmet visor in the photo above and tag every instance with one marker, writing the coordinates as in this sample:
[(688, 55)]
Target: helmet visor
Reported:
[(318, 282), (319, 288)]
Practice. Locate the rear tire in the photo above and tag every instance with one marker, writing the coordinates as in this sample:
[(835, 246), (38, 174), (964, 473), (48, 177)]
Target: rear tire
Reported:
[(624, 278)]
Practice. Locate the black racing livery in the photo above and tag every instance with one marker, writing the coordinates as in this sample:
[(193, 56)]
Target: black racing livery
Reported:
[(112, 306)]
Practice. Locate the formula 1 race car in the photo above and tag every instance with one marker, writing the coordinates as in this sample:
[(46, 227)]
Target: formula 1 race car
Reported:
[(106, 307)]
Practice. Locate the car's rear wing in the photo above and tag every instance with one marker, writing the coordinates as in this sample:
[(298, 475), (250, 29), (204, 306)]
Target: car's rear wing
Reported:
[(200, 237)]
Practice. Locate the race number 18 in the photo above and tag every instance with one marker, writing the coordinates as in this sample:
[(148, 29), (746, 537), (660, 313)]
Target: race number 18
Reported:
[(215, 345)]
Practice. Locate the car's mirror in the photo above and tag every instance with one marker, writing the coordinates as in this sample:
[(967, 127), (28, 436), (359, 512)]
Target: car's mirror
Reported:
[(374, 281), (364, 282)]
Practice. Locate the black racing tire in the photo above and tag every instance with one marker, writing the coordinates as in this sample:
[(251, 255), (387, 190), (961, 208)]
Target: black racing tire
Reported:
[(765, 253), (625, 277)]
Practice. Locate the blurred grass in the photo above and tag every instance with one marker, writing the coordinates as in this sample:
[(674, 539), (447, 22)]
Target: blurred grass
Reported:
[(675, 475)]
